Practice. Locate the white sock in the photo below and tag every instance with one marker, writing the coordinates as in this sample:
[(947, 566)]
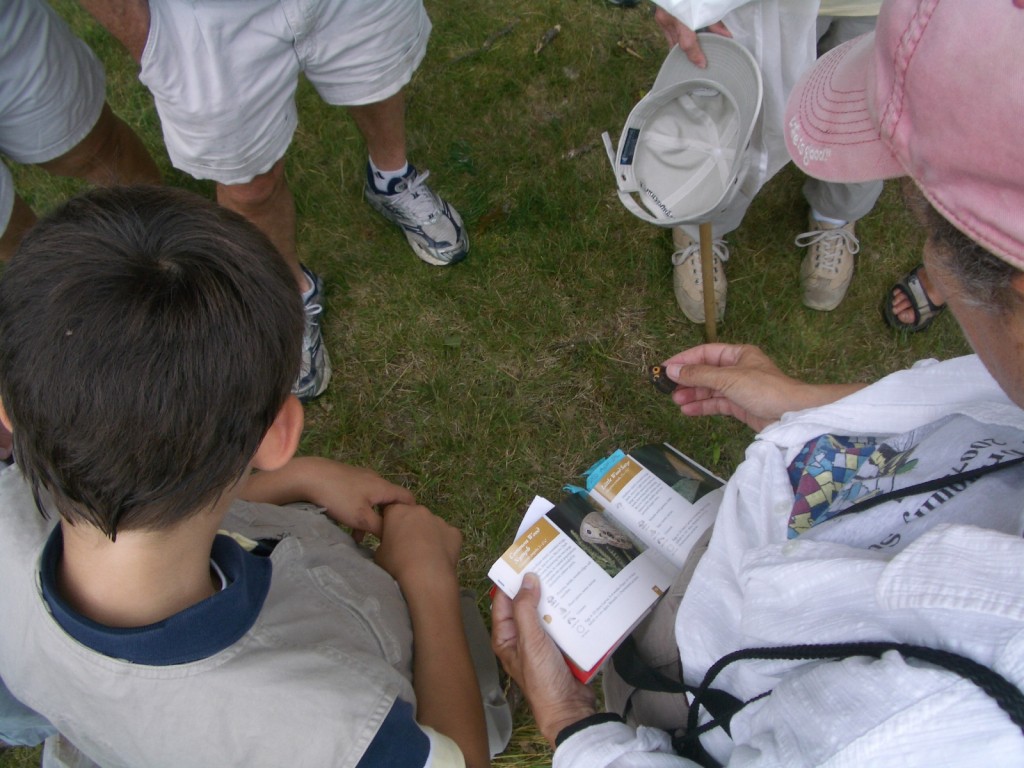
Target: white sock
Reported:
[(381, 179), (828, 219)]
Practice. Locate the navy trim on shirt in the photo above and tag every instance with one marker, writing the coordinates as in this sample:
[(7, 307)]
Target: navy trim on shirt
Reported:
[(398, 742), (198, 632)]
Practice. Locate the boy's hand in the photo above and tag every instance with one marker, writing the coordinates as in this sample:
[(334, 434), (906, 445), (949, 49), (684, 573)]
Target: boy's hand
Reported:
[(6, 443), (530, 657), (417, 547), (351, 494), (740, 380), (348, 494)]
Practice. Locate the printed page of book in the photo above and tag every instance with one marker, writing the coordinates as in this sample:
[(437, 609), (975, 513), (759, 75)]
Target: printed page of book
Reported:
[(596, 580), (665, 499)]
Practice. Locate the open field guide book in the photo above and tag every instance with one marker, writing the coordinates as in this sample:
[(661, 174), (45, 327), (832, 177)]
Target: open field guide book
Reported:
[(606, 553)]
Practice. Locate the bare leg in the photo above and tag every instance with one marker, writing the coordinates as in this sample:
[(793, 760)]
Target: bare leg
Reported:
[(112, 153), (22, 219), (383, 128), (267, 202)]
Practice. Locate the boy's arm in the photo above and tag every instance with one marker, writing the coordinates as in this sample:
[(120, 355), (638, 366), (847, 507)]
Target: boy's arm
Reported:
[(421, 551), (349, 494)]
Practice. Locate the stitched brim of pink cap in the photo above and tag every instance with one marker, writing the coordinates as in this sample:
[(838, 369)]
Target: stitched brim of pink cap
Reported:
[(831, 128)]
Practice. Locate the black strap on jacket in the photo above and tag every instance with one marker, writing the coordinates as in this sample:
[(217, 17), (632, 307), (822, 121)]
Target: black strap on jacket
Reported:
[(967, 476), (722, 706)]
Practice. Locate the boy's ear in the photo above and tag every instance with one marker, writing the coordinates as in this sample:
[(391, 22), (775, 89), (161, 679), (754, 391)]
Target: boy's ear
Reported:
[(282, 439), (4, 418)]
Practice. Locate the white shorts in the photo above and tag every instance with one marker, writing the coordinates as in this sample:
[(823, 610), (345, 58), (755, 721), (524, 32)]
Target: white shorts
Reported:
[(223, 73), (52, 89)]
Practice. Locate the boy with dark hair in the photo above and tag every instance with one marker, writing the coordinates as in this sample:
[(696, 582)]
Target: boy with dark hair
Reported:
[(149, 340)]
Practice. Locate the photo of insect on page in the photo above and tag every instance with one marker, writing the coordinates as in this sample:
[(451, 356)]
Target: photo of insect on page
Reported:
[(606, 553)]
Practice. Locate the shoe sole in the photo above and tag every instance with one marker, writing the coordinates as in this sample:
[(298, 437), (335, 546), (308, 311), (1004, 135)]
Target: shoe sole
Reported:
[(823, 307), (426, 256), (323, 383), (326, 379), (699, 321)]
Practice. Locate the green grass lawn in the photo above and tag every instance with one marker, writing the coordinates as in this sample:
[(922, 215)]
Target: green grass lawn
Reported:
[(480, 385)]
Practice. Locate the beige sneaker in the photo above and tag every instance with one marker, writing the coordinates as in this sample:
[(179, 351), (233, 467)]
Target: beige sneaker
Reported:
[(827, 269), (688, 280)]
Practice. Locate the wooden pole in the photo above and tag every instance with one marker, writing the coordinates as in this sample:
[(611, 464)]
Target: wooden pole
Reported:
[(707, 271)]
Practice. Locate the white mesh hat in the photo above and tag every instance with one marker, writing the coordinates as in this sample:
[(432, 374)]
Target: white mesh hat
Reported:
[(682, 149)]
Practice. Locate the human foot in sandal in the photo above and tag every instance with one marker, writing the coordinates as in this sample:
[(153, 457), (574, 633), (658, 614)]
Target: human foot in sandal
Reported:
[(907, 307)]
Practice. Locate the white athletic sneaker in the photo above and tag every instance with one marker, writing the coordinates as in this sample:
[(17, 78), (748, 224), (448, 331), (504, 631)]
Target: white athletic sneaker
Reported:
[(688, 281), (827, 269), (433, 228), (315, 368)]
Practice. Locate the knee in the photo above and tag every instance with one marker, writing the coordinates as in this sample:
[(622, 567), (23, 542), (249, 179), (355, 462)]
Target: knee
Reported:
[(258, 191)]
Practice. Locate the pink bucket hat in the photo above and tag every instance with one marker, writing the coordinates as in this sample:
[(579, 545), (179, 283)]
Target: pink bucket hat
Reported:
[(937, 94)]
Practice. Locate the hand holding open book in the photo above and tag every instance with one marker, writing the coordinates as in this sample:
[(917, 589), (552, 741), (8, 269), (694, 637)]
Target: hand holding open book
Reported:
[(605, 554)]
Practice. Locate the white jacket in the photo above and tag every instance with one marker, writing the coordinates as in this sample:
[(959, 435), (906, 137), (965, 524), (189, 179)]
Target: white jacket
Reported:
[(954, 586)]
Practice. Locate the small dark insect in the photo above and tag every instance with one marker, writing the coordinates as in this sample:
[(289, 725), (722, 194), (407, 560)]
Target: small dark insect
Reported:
[(661, 381)]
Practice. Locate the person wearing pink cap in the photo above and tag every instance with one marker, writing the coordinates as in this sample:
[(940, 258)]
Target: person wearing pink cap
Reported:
[(859, 602)]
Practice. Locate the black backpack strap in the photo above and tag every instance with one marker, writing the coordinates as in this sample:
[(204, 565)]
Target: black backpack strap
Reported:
[(638, 673), (1007, 695), (722, 705), (967, 476)]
